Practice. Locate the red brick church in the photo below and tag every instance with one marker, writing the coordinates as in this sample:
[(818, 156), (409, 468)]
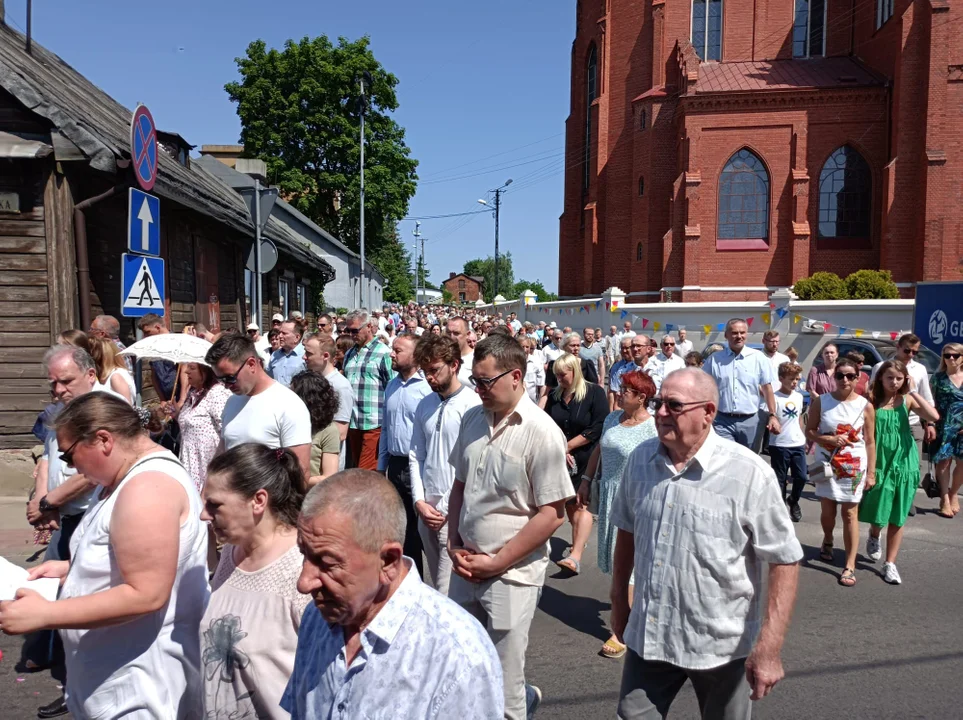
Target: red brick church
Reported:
[(717, 148)]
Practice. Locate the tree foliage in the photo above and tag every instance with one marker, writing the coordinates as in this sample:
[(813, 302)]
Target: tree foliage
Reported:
[(536, 287), (871, 285), (393, 260), (860, 285), (821, 286), (486, 269), (300, 113)]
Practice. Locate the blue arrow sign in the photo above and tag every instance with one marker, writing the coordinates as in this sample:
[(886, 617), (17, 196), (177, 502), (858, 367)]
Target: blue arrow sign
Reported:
[(143, 223), (141, 285)]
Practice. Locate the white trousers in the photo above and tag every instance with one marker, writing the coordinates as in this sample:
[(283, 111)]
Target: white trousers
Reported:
[(506, 610), (435, 544)]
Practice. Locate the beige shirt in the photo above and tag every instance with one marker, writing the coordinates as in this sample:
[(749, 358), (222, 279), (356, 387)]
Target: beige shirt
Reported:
[(509, 471)]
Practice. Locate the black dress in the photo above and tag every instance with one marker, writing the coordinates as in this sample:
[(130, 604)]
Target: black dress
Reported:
[(581, 418), (590, 371)]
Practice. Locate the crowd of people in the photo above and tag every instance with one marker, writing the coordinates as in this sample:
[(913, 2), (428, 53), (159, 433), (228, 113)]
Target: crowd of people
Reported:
[(353, 520)]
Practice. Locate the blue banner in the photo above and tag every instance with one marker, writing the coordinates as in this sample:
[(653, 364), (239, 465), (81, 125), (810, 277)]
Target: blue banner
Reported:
[(938, 316)]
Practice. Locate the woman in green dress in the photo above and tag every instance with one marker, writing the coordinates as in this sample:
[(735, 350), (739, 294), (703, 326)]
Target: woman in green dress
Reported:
[(888, 503)]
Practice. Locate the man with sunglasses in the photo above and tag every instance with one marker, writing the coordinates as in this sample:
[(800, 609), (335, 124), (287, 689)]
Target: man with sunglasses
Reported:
[(698, 517), (742, 375), (508, 498), (367, 366), (661, 364), (261, 410), (261, 343), (907, 350)]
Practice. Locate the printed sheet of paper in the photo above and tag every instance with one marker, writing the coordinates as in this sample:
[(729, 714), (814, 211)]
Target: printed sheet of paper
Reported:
[(13, 577)]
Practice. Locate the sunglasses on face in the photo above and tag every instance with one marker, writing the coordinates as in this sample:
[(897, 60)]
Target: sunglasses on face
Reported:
[(910, 352), (67, 456), (351, 331), (486, 383), (846, 376), (673, 406), (952, 356), (229, 379)]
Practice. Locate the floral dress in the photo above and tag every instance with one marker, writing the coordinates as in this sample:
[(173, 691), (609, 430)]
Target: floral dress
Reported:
[(617, 443), (948, 400), (844, 469), (200, 422)]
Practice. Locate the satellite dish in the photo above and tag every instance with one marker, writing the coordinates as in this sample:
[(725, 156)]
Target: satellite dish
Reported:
[(269, 256)]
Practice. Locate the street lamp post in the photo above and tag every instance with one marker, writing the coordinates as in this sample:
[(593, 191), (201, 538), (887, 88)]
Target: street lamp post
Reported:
[(498, 202)]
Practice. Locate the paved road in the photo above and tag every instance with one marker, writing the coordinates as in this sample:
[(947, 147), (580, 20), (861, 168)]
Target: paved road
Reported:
[(873, 651)]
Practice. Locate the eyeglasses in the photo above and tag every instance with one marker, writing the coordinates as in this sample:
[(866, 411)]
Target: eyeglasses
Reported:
[(673, 406), (252, 332), (846, 376), (351, 331), (910, 352), (229, 379), (952, 356), (486, 383), (668, 344), (67, 456)]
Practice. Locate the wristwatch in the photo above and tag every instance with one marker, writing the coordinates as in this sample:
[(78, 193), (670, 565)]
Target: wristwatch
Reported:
[(45, 506)]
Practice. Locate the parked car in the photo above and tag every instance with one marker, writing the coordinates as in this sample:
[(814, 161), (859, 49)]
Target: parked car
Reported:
[(876, 351)]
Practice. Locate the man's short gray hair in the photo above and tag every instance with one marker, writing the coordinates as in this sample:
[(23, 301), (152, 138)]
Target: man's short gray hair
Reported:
[(735, 321), (702, 383), (372, 503), (109, 324), (361, 315), (567, 340), (80, 357)]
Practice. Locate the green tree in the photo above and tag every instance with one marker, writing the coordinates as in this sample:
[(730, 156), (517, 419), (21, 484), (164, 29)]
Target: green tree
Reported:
[(393, 260), (486, 269), (536, 287), (821, 286), (300, 113), (871, 285)]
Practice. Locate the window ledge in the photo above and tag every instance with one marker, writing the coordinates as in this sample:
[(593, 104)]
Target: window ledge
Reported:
[(741, 244), (825, 243)]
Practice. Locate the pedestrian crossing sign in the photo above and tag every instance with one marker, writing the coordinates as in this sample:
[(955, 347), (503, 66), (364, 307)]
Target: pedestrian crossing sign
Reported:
[(142, 285)]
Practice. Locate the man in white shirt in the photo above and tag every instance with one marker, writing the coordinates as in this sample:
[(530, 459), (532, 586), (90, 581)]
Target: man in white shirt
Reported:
[(508, 499), (553, 351), (534, 371), (457, 329), (612, 344), (770, 348), (907, 349), (664, 362), (698, 516), (261, 410), (402, 395), (319, 350), (684, 346), (377, 642), (627, 331), (514, 322), (261, 343), (288, 360), (436, 427)]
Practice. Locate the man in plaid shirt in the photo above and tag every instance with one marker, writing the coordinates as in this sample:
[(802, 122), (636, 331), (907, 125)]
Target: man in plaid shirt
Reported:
[(367, 366)]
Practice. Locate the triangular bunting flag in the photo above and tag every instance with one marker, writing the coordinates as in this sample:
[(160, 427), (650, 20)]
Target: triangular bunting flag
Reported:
[(720, 327), (796, 318), (858, 332), (841, 330), (624, 313), (656, 326), (894, 335), (598, 304), (749, 321), (669, 327), (706, 329), (876, 334), (826, 327), (782, 312), (772, 306), (645, 321), (766, 317)]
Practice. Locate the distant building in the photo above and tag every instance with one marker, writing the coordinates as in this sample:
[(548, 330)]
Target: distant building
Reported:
[(716, 148), (464, 288)]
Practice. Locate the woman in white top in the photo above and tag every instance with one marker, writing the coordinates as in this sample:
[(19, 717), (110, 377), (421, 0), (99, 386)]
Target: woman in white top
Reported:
[(249, 633), (136, 585), (111, 370), (841, 424)]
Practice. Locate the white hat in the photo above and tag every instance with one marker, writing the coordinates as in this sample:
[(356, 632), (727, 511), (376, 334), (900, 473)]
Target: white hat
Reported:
[(253, 326), (296, 314), (277, 316), (553, 325)]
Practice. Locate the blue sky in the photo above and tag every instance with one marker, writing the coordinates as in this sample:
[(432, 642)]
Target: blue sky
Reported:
[(482, 87)]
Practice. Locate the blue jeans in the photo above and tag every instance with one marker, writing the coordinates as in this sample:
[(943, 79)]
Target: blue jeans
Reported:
[(788, 461), (737, 428)]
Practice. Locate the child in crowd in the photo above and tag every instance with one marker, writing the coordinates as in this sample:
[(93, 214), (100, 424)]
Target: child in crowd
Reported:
[(787, 449)]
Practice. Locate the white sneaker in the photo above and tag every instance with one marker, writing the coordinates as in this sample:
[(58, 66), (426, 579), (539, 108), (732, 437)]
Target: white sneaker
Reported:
[(533, 696), (873, 551), (891, 574)]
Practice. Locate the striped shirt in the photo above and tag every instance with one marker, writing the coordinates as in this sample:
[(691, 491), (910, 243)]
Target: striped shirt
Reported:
[(701, 535), (368, 369)]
